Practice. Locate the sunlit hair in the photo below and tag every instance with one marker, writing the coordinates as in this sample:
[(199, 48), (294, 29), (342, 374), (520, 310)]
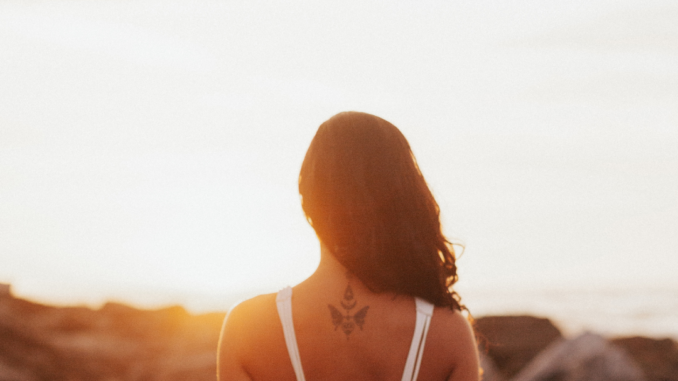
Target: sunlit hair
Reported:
[(368, 202)]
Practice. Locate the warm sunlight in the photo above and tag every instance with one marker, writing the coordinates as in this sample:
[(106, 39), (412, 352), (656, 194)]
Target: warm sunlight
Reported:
[(150, 150), (150, 153)]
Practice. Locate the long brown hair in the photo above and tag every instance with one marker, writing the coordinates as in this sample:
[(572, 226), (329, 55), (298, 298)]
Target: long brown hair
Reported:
[(368, 202)]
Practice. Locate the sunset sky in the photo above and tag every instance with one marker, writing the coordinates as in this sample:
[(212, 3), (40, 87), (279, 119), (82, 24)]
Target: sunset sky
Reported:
[(149, 150)]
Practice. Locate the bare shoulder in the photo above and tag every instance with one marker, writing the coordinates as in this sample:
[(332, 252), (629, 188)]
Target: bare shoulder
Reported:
[(249, 319), (452, 336), (251, 311), (245, 324), (453, 322)]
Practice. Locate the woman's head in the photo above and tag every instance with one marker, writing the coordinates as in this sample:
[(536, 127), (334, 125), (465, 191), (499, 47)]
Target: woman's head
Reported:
[(368, 202)]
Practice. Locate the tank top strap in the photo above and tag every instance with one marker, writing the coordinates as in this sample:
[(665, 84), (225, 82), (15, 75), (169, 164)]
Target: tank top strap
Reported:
[(422, 323), (284, 302)]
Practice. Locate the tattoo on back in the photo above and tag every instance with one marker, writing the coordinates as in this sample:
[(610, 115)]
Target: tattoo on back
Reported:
[(348, 322)]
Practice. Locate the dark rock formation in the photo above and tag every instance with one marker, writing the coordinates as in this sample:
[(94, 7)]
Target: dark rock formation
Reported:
[(657, 358), (588, 357), (512, 341), (116, 342)]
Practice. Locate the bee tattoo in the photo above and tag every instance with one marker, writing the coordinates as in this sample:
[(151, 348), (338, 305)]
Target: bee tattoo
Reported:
[(348, 322)]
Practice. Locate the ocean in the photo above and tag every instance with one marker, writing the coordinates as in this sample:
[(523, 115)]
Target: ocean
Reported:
[(611, 312), (651, 312)]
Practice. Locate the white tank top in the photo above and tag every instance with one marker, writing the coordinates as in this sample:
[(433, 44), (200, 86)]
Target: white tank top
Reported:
[(424, 313)]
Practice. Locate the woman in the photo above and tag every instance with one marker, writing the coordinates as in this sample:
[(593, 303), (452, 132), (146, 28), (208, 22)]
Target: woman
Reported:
[(380, 305)]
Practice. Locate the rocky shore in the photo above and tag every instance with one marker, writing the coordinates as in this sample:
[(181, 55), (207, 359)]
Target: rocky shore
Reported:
[(526, 348), (118, 342)]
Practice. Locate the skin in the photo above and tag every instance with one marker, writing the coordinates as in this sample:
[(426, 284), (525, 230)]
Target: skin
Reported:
[(252, 344)]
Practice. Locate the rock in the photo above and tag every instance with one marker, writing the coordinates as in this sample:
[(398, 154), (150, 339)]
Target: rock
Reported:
[(116, 342), (512, 341), (588, 357), (25, 356), (657, 358), (5, 290)]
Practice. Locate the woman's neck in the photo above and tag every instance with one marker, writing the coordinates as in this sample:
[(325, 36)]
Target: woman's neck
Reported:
[(329, 267), (331, 274)]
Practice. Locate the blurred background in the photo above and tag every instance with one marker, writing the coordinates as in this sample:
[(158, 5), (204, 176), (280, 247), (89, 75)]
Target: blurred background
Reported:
[(149, 150)]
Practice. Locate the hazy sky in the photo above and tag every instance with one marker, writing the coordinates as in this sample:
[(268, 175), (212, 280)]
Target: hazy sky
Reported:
[(149, 150)]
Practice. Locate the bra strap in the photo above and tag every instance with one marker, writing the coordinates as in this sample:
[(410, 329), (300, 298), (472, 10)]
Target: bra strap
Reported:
[(413, 363), (284, 302)]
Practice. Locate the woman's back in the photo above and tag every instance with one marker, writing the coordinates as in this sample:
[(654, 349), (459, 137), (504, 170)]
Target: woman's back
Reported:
[(374, 347), (364, 195)]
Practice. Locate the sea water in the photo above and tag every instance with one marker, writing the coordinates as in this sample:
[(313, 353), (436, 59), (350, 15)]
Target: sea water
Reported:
[(612, 312), (651, 312)]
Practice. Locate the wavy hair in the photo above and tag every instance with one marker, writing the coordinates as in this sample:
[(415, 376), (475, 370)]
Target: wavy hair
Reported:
[(365, 197)]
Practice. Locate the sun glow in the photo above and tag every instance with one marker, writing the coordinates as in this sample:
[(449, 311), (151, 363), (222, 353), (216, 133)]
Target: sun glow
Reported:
[(150, 151)]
